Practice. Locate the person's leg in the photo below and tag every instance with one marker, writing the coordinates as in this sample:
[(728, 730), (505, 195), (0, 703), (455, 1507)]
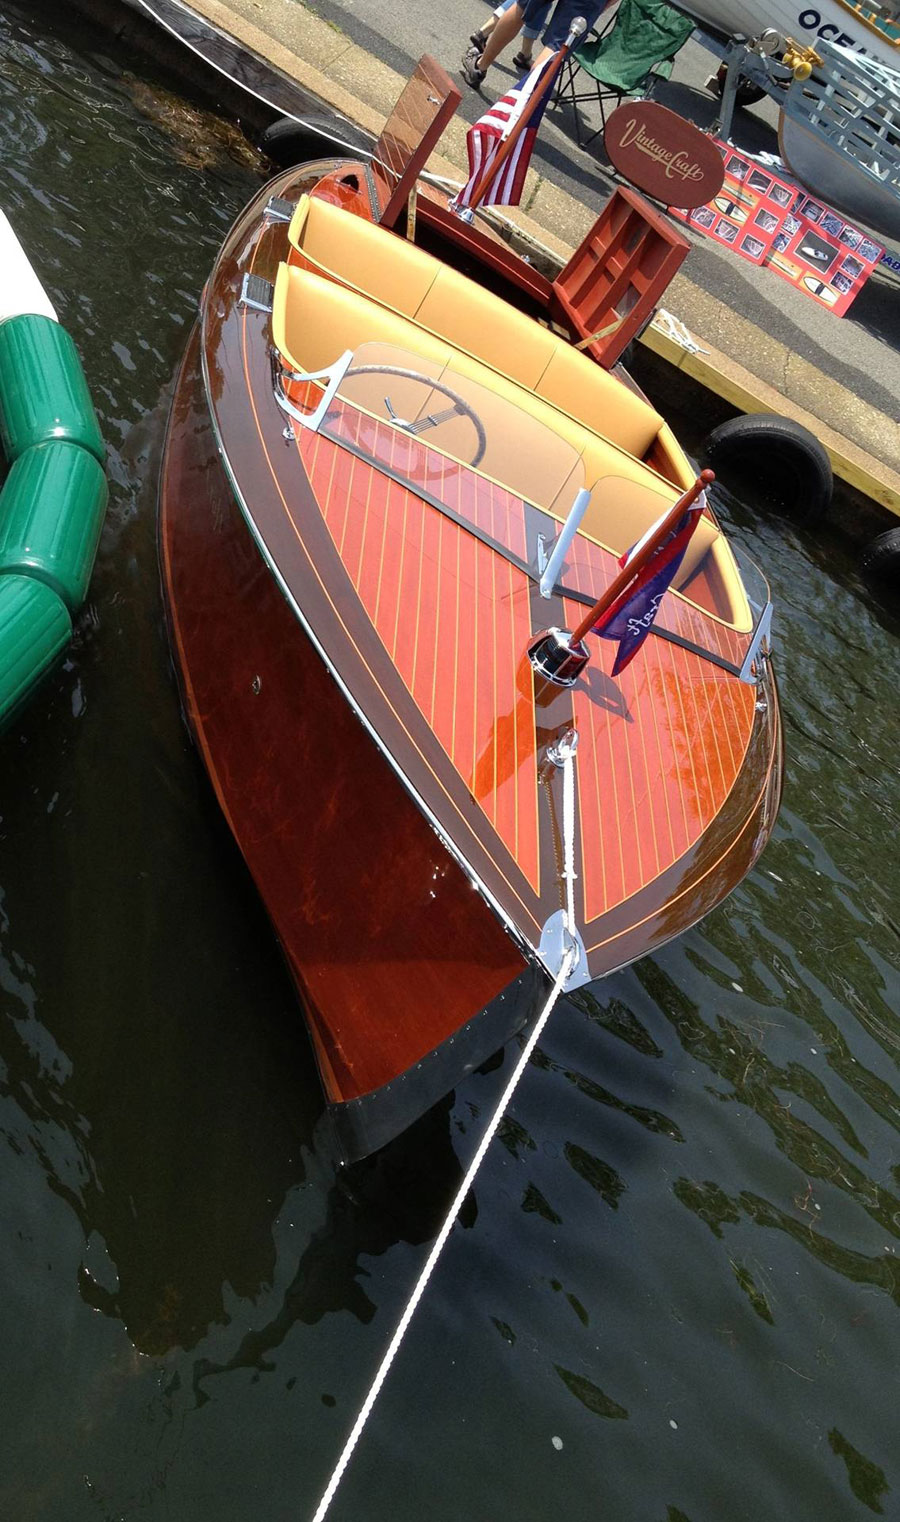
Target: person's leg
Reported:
[(563, 16), (560, 22), (535, 19), (504, 32), (530, 33), (480, 36)]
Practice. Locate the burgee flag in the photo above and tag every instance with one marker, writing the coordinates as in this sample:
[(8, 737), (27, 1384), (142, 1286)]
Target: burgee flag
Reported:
[(631, 616)]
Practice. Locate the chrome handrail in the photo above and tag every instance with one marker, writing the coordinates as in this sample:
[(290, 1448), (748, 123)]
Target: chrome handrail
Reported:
[(334, 374)]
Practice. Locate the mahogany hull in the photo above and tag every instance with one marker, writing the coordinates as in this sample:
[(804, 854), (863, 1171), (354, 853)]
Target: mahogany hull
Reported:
[(393, 954), (408, 923)]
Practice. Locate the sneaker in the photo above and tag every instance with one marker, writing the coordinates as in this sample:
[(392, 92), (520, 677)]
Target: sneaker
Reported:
[(469, 68), (522, 61), (478, 40)]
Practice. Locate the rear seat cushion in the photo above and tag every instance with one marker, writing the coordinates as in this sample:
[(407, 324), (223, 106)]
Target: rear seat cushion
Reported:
[(607, 408), (413, 284), (489, 329), (362, 255)]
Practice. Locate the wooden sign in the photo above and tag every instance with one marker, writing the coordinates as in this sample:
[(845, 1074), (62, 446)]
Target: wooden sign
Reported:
[(663, 155)]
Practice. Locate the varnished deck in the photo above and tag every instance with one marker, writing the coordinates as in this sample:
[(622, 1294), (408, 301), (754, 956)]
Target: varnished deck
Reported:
[(454, 618)]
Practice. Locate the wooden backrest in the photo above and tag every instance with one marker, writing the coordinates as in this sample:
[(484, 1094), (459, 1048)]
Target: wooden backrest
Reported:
[(426, 104), (613, 282)]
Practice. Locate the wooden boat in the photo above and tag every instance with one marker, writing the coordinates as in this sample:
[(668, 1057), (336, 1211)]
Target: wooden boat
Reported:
[(839, 134), (373, 446)]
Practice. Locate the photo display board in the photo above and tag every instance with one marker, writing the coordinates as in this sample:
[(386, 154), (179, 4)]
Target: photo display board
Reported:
[(749, 211), (769, 220), (826, 257)]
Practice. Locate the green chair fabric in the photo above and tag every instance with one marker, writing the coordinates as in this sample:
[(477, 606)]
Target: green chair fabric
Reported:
[(637, 47)]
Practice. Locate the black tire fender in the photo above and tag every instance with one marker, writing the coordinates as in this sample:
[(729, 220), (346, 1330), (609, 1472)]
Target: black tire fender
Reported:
[(777, 453), (880, 560), (289, 141)]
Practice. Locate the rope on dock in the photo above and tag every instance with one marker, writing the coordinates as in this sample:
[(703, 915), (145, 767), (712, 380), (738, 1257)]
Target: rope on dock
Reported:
[(568, 963)]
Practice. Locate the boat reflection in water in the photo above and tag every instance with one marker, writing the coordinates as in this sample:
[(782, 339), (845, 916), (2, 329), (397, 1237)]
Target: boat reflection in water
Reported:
[(369, 458)]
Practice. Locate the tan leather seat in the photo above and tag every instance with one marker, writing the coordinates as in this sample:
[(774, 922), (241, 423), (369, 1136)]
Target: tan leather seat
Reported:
[(617, 413), (315, 320), (392, 271), (492, 331), (354, 251)]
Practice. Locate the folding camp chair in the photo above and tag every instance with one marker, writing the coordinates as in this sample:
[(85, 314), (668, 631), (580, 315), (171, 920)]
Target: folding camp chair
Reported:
[(636, 48)]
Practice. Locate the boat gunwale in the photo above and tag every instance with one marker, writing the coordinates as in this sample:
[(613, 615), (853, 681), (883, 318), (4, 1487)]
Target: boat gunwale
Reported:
[(356, 705)]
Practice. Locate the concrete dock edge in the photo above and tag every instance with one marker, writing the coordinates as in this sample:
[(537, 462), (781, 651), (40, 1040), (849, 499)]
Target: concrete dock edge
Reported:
[(866, 463)]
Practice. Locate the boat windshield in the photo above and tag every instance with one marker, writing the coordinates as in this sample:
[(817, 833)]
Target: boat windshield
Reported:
[(488, 463), (443, 434)]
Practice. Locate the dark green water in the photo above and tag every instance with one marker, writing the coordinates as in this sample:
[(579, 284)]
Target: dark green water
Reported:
[(676, 1292)]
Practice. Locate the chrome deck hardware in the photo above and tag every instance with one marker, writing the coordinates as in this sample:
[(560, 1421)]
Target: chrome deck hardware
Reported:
[(257, 293), (279, 209), (555, 658)]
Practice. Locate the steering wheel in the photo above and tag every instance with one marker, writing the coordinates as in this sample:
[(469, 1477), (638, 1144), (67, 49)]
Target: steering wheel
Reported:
[(433, 418)]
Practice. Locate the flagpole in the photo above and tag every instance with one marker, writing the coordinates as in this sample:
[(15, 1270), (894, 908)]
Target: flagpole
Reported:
[(579, 25), (639, 560), (560, 657)]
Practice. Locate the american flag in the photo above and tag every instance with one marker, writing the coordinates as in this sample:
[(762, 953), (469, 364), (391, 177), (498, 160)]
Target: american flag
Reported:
[(484, 139), (631, 616)]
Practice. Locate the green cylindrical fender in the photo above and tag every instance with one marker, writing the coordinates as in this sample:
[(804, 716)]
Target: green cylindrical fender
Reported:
[(43, 392), (35, 628), (51, 514)]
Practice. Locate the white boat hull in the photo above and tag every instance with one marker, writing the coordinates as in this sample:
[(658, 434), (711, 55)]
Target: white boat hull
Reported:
[(832, 176), (20, 289), (807, 23)]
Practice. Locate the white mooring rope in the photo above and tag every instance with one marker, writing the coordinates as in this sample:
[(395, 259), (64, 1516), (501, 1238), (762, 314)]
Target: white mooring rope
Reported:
[(562, 976), (562, 754), (567, 751)]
